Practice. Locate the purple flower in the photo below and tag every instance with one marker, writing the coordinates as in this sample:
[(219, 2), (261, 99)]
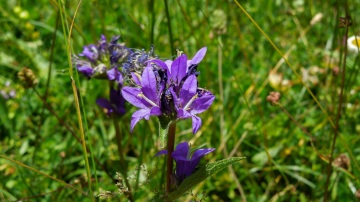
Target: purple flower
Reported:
[(116, 103), (185, 162), (169, 89), (179, 69), (191, 101), (146, 97), (102, 59)]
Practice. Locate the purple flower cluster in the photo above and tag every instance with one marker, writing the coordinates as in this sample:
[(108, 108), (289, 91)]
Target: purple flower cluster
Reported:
[(169, 89), (186, 163), (102, 60)]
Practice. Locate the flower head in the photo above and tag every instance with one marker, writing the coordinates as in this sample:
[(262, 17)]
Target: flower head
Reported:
[(101, 60), (185, 162), (353, 44), (170, 89), (146, 96)]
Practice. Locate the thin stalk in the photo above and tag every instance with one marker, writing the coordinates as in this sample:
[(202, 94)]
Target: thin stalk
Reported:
[(123, 165), (341, 98), (170, 149), (152, 29), (169, 27)]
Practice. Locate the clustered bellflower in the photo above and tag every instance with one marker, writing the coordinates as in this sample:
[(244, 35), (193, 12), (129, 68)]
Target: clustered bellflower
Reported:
[(166, 89), (169, 89), (102, 60), (185, 162)]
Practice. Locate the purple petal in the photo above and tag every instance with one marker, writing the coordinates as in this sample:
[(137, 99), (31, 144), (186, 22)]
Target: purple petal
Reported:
[(168, 64), (114, 74), (196, 157), (86, 70), (199, 56), (118, 100), (155, 111), (131, 95), (198, 154), (90, 52), (136, 78), (160, 63), (178, 69), (183, 114), (188, 89), (202, 103), (104, 103), (181, 152), (149, 84), (103, 42), (196, 123), (137, 116), (162, 152)]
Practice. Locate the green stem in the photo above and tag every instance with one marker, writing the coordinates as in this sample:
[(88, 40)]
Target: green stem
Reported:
[(170, 149), (123, 168), (169, 27)]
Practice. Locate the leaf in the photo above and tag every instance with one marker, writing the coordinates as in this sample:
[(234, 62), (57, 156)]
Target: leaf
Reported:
[(200, 175), (164, 125)]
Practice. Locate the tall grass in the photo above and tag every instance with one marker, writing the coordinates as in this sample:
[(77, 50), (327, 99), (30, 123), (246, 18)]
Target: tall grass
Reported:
[(57, 144)]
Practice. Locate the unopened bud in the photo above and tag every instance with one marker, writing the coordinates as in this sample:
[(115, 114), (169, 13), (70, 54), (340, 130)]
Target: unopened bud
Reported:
[(28, 77), (273, 98)]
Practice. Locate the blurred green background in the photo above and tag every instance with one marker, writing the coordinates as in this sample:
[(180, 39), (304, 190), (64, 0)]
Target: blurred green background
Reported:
[(287, 146)]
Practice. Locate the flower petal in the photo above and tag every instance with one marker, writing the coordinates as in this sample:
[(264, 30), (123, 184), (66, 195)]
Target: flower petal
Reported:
[(136, 78), (181, 152), (198, 154), (137, 116), (196, 123), (196, 157), (178, 69), (85, 70), (160, 63), (202, 103), (131, 95), (162, 152), (114, 74), (155, 111), (118, 100), (104, 103), (198, 56), (188, 89), (149, 84)]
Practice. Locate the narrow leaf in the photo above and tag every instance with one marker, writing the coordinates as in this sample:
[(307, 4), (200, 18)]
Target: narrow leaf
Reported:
[(200, 175), (164, 125)]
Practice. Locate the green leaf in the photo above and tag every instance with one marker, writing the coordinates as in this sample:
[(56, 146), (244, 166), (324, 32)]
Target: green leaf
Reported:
[(200, 175), (164, 125)]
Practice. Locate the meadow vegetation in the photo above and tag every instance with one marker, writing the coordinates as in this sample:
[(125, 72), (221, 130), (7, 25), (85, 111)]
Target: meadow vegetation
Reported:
[(286, 88)]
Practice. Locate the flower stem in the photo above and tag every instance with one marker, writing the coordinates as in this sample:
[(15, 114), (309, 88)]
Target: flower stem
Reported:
[(170, 149), (123, 169)]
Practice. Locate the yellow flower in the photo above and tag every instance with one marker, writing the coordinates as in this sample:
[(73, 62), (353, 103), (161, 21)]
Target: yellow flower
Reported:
[(353, 44)]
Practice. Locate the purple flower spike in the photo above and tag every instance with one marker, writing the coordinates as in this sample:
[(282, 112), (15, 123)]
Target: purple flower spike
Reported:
[(186, 164), (146, 97), (116, 103)]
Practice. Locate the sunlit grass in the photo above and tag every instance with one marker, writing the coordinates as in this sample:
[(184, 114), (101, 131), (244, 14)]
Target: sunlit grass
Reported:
[(254, 48)]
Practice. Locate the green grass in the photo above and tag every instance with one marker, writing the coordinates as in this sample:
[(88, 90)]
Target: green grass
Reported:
[(39, 135)]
